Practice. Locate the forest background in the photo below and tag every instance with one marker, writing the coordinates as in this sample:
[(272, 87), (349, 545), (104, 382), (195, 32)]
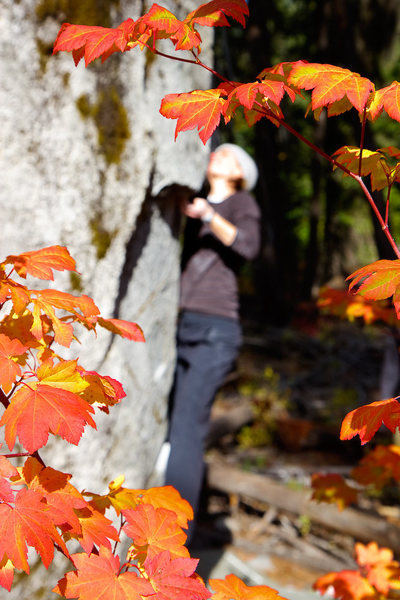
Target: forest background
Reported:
[(317, 227)]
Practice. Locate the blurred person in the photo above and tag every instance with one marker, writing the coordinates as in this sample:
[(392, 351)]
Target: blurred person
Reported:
[(222, 229)]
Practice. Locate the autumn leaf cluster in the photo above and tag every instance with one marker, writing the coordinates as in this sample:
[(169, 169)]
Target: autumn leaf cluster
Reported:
[(42, 394)]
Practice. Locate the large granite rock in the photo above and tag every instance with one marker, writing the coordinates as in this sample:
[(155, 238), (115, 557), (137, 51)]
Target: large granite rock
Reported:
[(82, 151)]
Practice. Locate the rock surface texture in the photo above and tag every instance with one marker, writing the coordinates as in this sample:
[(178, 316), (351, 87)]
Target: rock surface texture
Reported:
[(82, 151)]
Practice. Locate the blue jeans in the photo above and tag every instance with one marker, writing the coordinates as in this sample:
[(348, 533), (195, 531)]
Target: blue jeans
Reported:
[(207, 349)]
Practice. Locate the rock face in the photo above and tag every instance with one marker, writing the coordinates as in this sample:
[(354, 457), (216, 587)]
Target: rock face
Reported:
[(82, 151)]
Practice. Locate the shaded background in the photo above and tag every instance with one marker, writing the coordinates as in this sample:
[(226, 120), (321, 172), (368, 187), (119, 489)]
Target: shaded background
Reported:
[(317, 226)]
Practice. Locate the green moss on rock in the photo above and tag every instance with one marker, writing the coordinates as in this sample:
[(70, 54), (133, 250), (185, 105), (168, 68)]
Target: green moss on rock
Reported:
[(111, 119), (112, 124), (101, 237), (84, 106), (45, 51), (85, 12)]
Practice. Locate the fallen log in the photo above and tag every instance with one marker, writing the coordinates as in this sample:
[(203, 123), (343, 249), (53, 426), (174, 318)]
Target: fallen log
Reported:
[(360, 525)]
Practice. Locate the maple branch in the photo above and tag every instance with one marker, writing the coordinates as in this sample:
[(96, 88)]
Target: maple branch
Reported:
[(362, 140), (196, 61), (3, 399), (337, 164), (387, 204), (378, 215)]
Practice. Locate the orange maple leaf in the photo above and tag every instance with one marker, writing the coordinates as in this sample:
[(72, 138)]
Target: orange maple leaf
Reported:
[(233, 587), (81, 308), (6, 573), (126, 329), (61, 498), (346, 585), (366, 420), (118, 497), (101, 389), (175, 578), (11, 290), (199, 109), (214, 13), (371, 554), (7, 470), (354, 306), (331, 84), (154, 530), (379, 467), (332, 488), (9, 368), (387, 98), (378, 281), (168, 497), (381, 570), (41, 263), (164, 24), (38, 410), (96, 529), (99, 577), (27, 524)]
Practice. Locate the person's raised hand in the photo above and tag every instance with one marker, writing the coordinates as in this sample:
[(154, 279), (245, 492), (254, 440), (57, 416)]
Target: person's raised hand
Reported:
[(199, 209)]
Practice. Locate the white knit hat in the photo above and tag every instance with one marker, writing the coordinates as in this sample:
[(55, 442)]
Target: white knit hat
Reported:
[(246, 163)]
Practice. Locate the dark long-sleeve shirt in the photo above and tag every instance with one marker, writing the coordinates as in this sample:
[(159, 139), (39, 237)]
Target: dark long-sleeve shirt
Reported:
[(209, 268)]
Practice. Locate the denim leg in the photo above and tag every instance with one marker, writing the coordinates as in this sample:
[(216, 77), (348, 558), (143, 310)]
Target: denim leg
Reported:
[(201, 369)]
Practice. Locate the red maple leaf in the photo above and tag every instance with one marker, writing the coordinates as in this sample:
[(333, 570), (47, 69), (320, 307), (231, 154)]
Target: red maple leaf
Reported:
[(366, 420), (332, 488), (38, 410), (378, 467), (27, 524), (233, 587), (91, 41), (99, 577), (175, 579), (126, 329), (41, 263), (199, 109), (154, 530)]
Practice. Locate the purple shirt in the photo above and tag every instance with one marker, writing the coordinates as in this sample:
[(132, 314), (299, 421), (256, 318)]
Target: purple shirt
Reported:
[(209, 275)]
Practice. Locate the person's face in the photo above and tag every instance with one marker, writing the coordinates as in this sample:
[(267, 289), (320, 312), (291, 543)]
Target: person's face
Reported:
[(223, 163)]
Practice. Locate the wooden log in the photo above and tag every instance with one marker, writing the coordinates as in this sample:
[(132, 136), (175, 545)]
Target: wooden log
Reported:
[(362, 526)]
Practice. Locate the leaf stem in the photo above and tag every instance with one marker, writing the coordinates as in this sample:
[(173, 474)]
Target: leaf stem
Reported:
[(195, 61)]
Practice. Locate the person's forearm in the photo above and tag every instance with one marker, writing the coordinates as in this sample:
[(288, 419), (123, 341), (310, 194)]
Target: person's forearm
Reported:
[(223, 229)]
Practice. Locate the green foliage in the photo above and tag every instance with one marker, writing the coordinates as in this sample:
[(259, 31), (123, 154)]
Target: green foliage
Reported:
[(269, 401)]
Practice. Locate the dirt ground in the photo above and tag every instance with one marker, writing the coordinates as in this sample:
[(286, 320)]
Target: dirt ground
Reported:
[(291, 389)]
